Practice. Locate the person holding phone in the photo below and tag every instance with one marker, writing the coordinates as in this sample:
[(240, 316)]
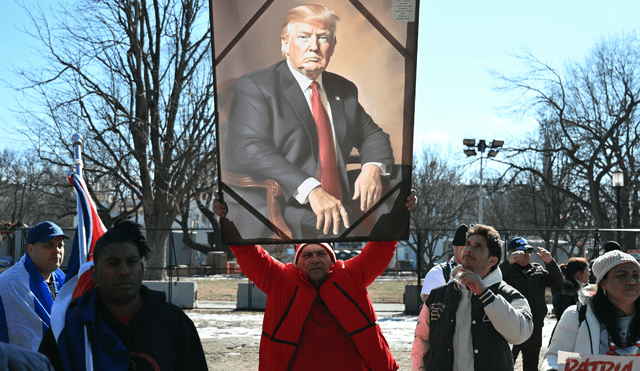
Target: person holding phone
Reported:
[(531, 279)]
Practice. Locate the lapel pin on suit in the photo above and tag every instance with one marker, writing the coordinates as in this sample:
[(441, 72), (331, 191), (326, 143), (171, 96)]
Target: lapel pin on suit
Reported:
[(337, 98)]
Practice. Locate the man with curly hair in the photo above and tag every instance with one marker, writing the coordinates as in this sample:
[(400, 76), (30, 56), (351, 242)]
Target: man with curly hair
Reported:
[(471, 320)]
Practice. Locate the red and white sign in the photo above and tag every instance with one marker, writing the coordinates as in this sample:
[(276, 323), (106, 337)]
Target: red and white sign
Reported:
[(634, 253), (568, 361)]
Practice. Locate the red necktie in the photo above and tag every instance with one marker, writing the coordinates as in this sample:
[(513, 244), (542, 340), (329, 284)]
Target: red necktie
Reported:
[(330, 177)]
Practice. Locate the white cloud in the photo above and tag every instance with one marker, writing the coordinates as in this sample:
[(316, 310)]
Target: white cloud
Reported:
[(435, 135)]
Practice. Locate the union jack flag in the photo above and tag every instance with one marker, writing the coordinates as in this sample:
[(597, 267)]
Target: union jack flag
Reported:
[(78, 281)]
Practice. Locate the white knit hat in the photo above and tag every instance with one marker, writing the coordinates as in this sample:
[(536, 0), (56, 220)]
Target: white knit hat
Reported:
[(608, 261), (326, 246)]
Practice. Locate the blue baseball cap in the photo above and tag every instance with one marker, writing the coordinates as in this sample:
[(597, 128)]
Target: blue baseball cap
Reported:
[(519, 243), (44, 232)]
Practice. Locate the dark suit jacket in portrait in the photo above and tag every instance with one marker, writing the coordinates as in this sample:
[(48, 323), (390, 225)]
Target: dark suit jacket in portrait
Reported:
[(272, 135)]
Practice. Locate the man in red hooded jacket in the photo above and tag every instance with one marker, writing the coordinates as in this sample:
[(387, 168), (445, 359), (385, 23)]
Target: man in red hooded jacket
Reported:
[(318, 314)]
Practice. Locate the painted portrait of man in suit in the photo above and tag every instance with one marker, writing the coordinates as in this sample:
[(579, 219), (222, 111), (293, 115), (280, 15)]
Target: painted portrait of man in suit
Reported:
[(296, 125)]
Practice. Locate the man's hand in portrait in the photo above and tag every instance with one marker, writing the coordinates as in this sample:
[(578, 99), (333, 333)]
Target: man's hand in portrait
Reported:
[(368, 186), (329, 211)]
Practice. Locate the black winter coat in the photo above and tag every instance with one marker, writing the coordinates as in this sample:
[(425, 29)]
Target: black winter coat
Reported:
[(532, 280)]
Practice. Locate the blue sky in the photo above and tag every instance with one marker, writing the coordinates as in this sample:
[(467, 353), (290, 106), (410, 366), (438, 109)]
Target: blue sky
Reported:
[(15, 50), (459, 42)]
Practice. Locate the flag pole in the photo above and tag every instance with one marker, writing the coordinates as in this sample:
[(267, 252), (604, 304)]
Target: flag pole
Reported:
[(77, 153), (83, 248), (77, 157)]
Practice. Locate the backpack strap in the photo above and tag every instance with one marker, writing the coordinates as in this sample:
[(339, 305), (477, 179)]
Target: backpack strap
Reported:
[(446, 271), (582, 314)]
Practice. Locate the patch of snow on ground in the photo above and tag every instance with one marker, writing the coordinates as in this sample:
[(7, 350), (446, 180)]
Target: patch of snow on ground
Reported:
[(398, 330), (220, 326)]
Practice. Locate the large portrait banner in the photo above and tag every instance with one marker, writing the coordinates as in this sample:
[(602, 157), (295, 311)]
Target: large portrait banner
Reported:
[(315, 113)]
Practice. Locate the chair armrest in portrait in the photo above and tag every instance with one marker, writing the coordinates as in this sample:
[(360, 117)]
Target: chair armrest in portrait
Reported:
[(275, 197)]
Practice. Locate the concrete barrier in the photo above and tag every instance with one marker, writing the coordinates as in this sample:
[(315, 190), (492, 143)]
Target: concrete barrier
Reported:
[(250, 297), (184, 294), (412, 299)]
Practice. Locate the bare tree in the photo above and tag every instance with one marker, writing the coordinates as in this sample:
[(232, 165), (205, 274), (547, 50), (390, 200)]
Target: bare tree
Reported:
[(519, 199), (31, 192), (134, 77), (588, 121), (524, 206), (443, 199)]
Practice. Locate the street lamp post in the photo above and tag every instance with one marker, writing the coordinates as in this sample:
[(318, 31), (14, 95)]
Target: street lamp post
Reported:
[(470, 151), (617, 181)]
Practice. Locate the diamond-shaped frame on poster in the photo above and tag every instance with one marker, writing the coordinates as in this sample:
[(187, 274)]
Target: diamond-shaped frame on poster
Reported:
[(270, 164)]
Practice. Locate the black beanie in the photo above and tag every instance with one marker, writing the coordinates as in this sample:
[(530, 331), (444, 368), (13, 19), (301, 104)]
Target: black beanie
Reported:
[(460, 239), (611, 245)]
